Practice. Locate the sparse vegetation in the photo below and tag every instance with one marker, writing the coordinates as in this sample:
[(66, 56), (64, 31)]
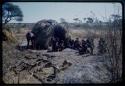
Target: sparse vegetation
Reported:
[(66, 66)]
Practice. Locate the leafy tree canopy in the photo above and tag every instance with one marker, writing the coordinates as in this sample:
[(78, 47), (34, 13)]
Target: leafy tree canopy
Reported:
[(11, 12)]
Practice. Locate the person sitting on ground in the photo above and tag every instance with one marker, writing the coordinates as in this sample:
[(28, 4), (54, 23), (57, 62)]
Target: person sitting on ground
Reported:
[(102, 46), (90, 45), (69, 42), (77, 44), (53, 44), (83, 49), (72, 44), (61, 45), (58, 41), (57, 46)]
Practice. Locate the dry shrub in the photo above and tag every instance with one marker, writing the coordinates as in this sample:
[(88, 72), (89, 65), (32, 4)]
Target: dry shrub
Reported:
[(9, 36), (91, 35), (114, 48), (77, 33), (21, 30)]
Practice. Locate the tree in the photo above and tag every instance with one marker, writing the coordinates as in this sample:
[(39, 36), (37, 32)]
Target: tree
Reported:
[(11, 12), (89, 20), (77, 20), (116, 19), (64, 22)]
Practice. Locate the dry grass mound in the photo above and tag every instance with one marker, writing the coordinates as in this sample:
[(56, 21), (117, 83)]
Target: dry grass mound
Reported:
[(9, 36)]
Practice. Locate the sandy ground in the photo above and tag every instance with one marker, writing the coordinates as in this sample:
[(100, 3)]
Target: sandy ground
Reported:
[(36, 66)]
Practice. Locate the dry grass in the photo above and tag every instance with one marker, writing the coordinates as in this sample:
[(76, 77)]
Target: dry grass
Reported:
[(11, 55), (85, 33), (10, 36)]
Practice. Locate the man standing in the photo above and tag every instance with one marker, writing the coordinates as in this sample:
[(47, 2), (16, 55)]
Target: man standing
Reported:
[(33, 40), (30, 37)]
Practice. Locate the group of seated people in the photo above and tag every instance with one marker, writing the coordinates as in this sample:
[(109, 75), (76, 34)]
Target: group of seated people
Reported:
[(82, 46)]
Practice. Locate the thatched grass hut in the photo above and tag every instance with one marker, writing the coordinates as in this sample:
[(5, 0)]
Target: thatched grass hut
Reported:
[(44, 30)]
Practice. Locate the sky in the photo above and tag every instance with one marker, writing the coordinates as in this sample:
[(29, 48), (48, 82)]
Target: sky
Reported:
[(36, 11)]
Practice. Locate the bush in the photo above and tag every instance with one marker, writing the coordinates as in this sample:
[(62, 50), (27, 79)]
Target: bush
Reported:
[(114, 49), (8, 35)]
